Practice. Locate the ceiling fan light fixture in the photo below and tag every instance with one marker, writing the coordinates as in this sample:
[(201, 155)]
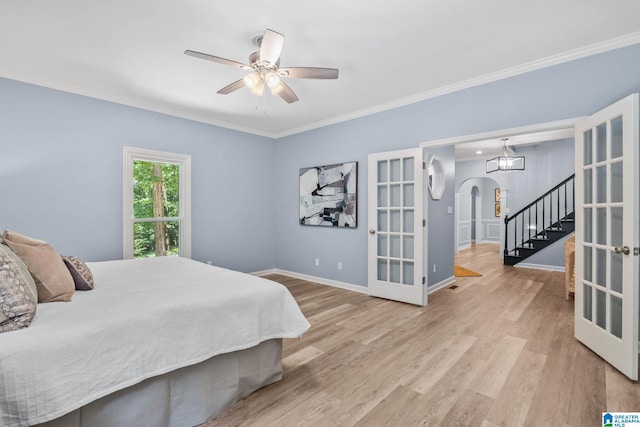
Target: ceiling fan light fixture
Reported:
[(272, 79), (258, 90), (277, 89), (251, 81)]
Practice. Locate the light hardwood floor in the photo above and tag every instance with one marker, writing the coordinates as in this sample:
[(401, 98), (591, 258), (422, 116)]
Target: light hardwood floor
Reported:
[(497, 351)]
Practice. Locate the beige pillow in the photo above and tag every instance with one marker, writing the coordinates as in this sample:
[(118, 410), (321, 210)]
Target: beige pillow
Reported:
[(53, 280)]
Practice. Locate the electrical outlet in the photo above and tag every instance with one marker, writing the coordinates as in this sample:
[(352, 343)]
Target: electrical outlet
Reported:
[(317, 262), (339, 266), (210, 262)]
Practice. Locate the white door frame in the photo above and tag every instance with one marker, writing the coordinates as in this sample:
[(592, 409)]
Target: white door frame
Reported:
[(551, 130)]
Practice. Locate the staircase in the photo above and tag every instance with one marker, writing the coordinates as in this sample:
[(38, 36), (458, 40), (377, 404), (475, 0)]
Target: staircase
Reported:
[(544, 221)]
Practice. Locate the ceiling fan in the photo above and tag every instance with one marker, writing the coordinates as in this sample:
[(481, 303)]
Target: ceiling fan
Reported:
[(265, 68)]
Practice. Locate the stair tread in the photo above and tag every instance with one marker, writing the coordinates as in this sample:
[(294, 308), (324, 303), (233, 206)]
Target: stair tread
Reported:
[(546, 235)]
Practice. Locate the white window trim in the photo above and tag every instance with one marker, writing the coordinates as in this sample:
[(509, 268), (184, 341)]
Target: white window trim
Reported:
[(130, 154)]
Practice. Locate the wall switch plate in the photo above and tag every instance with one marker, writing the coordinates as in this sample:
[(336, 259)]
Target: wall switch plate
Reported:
[(339, 266), (449, 209), (317, 262)]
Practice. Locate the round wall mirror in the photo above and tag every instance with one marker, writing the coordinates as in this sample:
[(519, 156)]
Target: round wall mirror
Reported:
[(435, 180)]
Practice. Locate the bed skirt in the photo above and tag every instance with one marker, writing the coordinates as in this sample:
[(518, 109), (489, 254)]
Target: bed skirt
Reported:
[(186, 397)]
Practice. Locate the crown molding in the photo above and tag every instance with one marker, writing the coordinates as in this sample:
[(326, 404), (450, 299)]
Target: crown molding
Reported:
[(616, 43)]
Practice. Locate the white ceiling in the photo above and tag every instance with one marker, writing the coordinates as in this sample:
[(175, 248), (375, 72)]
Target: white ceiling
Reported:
[(485, 149), (388, 53)]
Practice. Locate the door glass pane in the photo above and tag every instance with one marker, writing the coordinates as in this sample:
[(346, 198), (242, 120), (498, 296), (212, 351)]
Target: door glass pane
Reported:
[(587, 299), (601, 184), (407, 273), (616, 137), (588, 186), (383, 196), (601, 226), (407, 221), (601, 267), (394, 165), (616, 316), (601, 309), (395, 195), (616, 182), (407, 169), (588, 147), (395, 221), (382, 269), (382, 171), (394, 271), (616, 226), (586, 262), (407, 196), (588, 225), (383, 220), (601, 142), (382, 245), (394, 246), (407, 247), (616, 272)]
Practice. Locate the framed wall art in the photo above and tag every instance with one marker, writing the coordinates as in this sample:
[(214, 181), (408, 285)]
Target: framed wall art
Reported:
[(329, 195)]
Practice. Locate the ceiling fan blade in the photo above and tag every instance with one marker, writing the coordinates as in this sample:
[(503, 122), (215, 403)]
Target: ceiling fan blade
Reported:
[(232, 87), (287, 93), (309, 72), (271, 46), (217, 59)]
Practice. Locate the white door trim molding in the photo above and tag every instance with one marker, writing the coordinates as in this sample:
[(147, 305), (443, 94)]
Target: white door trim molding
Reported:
[(557, 130)]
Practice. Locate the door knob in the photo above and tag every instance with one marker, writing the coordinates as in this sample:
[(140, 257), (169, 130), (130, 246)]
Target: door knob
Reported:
[(622, 250), (372, 231)]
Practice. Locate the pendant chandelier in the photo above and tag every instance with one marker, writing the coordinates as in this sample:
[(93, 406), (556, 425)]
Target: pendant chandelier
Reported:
[(507, 161)]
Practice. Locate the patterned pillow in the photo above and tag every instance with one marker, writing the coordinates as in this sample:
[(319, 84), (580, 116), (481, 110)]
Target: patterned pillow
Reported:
[(81, 274), (18, 297)]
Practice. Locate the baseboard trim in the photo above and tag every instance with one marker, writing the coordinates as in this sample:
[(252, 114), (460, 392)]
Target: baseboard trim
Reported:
[(316, 279), (342, 285), (540, 267), (444, 283), (265, 272)]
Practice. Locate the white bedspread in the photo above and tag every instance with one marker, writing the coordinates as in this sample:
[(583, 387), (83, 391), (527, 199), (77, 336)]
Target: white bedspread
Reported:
[(145, 318)]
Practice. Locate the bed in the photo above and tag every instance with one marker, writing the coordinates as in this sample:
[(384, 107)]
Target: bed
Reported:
[(159, 342)]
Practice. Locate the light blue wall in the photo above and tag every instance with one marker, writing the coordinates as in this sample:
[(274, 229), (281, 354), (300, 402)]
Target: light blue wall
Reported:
[(547, 164), (61, 152), (61, 176), (440, 223), (568, 90)]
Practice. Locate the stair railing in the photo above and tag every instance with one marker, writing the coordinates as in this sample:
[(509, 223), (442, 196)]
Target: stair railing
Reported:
[(545, 213)]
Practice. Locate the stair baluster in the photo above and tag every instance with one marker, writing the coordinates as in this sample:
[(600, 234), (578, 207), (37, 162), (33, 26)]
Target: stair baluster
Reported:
[(540, 233)]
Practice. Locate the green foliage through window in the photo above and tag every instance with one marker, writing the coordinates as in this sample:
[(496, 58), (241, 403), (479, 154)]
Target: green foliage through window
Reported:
[(156, 194)]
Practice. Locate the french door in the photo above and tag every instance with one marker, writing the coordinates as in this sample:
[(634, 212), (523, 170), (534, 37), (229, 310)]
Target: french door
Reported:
[(607, 280), (395, 226)]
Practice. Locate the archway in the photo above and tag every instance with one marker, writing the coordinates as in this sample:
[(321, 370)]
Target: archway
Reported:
[(478, 209)]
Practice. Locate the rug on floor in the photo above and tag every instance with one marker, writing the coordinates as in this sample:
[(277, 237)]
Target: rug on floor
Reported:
[(464, 272)]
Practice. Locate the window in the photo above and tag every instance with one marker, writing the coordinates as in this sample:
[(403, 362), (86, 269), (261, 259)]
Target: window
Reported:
[(156, 204)]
